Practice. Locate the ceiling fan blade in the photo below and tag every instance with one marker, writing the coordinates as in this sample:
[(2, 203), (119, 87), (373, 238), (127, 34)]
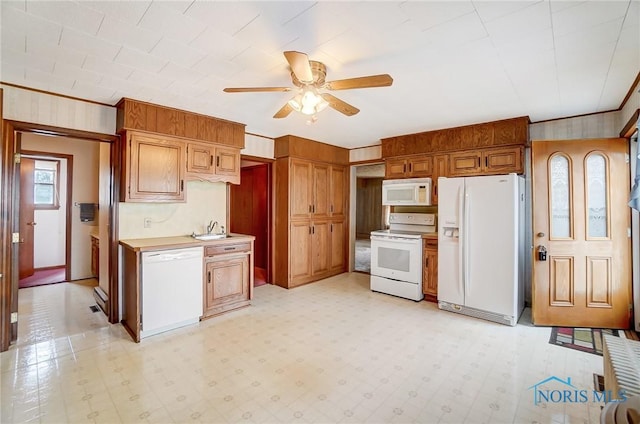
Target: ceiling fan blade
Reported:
[(300, 66), (383, 80), (254, 89), (340, 105), (284, 111)]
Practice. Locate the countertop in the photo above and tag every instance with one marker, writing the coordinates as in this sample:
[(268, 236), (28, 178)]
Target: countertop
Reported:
[(162, 243)]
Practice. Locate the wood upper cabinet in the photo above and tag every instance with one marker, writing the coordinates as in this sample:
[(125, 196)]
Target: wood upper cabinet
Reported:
[(430, 269), (320, 189), (154, 168), (213, 163), (412, 167), (301, 194), (487, 161), (227, 278), (317, 189), (440, 169), (337, 186), (136, 115)]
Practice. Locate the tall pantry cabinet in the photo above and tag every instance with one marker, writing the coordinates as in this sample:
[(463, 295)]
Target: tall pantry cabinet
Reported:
[(311, 191)]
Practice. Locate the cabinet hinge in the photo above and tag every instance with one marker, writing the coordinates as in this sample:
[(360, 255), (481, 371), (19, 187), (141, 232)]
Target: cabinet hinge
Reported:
[(628, 232), (626, 158), (16, 158), (15, 238), (14, 317)]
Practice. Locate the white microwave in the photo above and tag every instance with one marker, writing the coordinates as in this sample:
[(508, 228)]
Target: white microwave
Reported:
[(407, 192)]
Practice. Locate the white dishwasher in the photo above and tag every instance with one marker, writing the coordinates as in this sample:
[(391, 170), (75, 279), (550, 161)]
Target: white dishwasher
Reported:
[(171, 289)]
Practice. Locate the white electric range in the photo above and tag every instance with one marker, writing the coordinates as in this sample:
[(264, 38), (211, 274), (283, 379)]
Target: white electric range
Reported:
[(396, 255)]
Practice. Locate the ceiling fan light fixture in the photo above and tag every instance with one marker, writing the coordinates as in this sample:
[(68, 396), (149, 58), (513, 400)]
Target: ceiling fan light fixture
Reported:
[(308, 101)]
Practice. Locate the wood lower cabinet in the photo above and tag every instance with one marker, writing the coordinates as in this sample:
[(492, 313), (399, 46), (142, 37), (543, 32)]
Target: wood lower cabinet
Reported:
[(430, 269), (228, 277), (154, 168)]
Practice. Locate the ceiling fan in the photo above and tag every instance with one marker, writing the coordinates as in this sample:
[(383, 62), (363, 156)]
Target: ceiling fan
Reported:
[(309, 77)]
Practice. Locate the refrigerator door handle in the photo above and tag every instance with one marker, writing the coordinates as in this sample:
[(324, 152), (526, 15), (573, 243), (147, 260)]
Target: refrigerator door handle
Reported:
[(467, 242), (461, 240)]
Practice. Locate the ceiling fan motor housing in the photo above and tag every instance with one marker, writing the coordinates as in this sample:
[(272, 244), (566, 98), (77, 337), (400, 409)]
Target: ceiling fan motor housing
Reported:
[(319, 72)]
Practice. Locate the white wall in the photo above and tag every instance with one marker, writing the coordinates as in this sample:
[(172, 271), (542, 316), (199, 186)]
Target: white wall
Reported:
[(49, 235), (205, 202), (258, 146), (40, 108), (84, 187)]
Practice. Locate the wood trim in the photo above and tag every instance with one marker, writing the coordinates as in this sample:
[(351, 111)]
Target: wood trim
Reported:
[(259, 135), (69, 205), (630, 127), (367, 162), (365, 147), (51, 93), (630, 92), (574, 116), (10, 136), (46, 268)]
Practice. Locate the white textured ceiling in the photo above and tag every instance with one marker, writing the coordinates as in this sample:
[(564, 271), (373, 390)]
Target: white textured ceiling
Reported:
[(453, 62)]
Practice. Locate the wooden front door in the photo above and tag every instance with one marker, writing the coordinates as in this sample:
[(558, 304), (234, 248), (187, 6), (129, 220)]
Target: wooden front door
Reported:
[(27, 207), (581, 224)]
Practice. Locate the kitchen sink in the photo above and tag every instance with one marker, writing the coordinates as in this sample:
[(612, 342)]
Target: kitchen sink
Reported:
[(209, 236)]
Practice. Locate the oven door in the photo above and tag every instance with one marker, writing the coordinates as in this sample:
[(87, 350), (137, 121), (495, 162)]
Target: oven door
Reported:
[(397, 258)]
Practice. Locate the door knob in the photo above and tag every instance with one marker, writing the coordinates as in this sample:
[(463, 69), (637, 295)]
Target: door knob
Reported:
[(540, 234), (32, 223)]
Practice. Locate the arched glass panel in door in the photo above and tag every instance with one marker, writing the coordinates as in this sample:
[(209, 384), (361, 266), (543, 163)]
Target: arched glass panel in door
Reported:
[(597, 191), (561, 219)]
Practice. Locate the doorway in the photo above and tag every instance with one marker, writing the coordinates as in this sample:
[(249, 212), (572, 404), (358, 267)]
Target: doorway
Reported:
[(15, 134), (250, 212), (45, 194), (369, 212)]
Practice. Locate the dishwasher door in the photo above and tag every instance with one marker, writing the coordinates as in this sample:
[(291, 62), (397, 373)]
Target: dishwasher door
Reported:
[(171, 289)]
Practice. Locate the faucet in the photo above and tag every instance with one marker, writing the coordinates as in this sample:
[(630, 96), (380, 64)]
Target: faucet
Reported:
[(211, 226)]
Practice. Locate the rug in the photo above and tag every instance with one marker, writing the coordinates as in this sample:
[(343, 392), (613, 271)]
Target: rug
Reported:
[(584, 339)]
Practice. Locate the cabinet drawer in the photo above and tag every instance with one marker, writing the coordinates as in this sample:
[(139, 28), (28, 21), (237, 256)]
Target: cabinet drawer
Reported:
[(226, 248)]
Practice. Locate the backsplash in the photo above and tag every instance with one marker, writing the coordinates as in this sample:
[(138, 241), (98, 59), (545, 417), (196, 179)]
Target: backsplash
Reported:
[(205, 202)]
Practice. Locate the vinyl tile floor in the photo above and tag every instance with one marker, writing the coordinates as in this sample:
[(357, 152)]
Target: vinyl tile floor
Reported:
[(327, 352)]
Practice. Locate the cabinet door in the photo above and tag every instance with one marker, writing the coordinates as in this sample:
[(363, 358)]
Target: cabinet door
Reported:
[(337, 232), (227, 281), (395, 168), (227, 161), (503, 161), (155, 167), (464, 163), (300, 182), (200, 159), (300, 251), (440, 169), (320, 187), (430, 272), (320, 247), (337, 188), (421, 166)]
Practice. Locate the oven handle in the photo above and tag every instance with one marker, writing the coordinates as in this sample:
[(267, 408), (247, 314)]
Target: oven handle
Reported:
[(396, 239)]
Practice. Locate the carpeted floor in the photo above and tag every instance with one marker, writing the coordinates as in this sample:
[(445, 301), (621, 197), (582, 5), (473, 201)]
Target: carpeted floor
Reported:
[(363, 255), (583, 339), (43, 277)]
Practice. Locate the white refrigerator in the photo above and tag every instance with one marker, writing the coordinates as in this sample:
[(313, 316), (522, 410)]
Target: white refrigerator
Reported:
[(481, 246)]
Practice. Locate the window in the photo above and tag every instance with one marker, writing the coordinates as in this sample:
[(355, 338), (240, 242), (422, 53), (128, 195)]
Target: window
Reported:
[(46, 178)]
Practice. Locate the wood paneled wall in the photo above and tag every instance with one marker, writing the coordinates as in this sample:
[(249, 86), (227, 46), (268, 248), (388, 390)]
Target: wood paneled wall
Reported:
[(369, 210)]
